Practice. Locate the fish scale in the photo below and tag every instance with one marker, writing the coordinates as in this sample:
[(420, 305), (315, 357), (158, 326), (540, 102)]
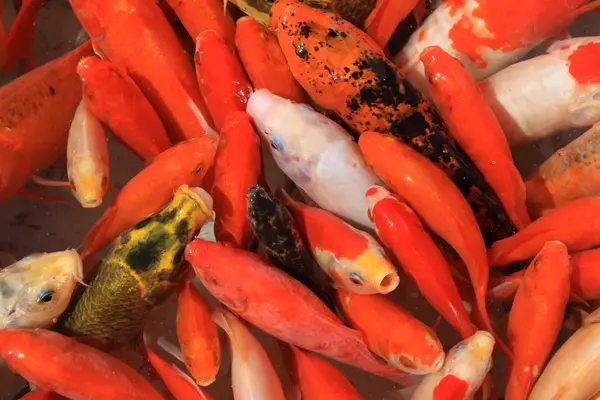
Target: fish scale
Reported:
[(140, 272)]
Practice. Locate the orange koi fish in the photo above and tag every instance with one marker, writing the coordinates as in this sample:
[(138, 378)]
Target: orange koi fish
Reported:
[(352, 258), (392, 333), (575, 224), (433, 196), (19, 41), (281, 306), (35, 114), (115, 99), (137, 36), (585, 279), (345, 72), (96, 376), (42, 395), (315, 378), (198, 336), (539, 306), (237, 167), (221, 77), (264, 61), (252, 374), (569, 174), (152, 188), (401, 231), (205, 15), (177, 382), (466, 367), (386, 17), (476, 129)]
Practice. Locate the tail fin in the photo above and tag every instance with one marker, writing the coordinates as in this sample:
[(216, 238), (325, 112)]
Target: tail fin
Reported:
[(95, 237)]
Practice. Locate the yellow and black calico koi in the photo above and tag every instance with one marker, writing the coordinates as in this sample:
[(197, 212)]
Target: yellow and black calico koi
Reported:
[(344, 71), (276, 231), (140, 272)]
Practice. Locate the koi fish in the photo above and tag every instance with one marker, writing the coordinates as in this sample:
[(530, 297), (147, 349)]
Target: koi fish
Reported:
[(350, 75), (141, 270), (20, 39), (138, 30), (177, 382), (485, 35), (575, 224), (221, 77), (205, 15), (463, 373), (198, 336), (36, 290), (530, 109), (87, 158), (97, 376), (401, 231), (237, 167), (266, 297), (252, 374), (392, 333), (433, 196), (43, 100), (569, 174), (115, 99), (275, 229), (352, 258), (315, 378), (264, 62), (42, 395), (354, 11), (385, 18), (150, 189), (539, 306), (572, 373), (475, 127), (316, 153)]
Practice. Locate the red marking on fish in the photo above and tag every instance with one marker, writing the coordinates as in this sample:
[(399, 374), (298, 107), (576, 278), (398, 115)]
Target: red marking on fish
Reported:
[(450, 388), (584, 63)]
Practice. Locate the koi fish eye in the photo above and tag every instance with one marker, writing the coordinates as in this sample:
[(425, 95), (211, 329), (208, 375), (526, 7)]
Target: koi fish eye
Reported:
[(276, 145), (356, 279), (45, 296), (198, 169)]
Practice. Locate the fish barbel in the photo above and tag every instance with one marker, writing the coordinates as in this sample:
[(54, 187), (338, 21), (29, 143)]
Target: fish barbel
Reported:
[(36, 290), (141, 270)]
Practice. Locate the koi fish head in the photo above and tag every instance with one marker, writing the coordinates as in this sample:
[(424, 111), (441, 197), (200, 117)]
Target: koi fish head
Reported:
[(369, 273), (294, 133), (36, 290), (471, 359)]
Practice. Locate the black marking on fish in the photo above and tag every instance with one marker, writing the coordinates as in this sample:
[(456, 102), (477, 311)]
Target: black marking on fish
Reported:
[(301, 51), (51, 90), (147, 254), (178, 256), (182, 228), (143, 223), (166, 217)]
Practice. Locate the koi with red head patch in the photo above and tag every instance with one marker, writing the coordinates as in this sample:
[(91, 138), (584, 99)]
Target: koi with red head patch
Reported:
[(464, 371), (281, 306), (344, 71), (575, 224), (401, 231), (433, 196), (476, 129), (392, 333), (539, 306), (352, 258)]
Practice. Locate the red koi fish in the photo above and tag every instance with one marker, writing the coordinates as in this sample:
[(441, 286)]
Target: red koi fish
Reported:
[(237, 167), (281, 306), (205, 15), (19, 41), (151, 189), (96, 376), (138, 30), (221, 77), (474, 126), (576, 224), (177, 382), (352, 258), (392, 333), (42, 395), (539, 306), (440, 204), (264, 61), (401, 231), (315, 378), (114, 98), (198, 336), (385, 18)]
